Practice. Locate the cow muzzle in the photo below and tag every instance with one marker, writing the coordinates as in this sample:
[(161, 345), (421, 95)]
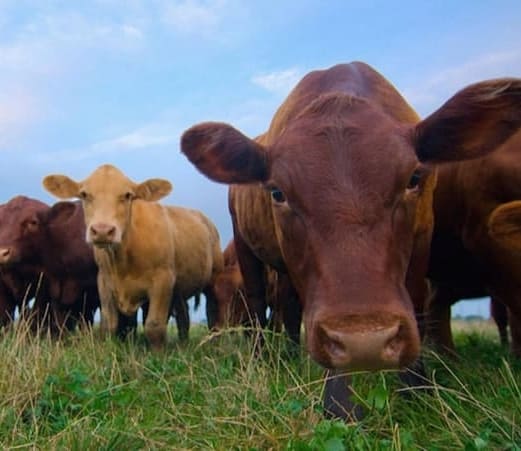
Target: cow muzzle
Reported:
[(362, 343), (6, 254), (102, 235)]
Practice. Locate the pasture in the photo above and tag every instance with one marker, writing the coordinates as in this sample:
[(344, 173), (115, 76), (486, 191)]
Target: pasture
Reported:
[(84, 393)]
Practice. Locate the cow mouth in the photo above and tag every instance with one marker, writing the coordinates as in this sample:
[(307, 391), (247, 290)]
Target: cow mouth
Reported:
[(103, 244)]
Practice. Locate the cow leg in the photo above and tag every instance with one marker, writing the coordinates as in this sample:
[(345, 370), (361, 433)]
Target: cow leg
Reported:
[(182, 317), (160, 297), (127, 326), (337, 397), (212, 308), (439, 331), (515, 333), (499, 314), (109, 312), (252, 270), (7, 307), (292, 313)]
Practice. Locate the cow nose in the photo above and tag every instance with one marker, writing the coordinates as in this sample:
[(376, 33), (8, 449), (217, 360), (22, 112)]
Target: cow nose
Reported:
[(374, 347), (102, 232), (5, 253)]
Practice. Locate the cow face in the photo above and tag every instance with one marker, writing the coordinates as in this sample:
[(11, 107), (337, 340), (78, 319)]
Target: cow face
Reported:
[(346, 183), (107, 196), (21, 230)]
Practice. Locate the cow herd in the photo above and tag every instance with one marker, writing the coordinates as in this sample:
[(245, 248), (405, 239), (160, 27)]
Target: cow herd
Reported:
[(350, 215)]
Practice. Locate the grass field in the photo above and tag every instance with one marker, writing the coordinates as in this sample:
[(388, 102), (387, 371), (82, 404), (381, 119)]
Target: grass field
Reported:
[(90, 394)]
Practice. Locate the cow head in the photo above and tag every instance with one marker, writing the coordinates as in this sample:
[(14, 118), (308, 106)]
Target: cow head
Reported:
[(107, 196), (21, 230), (346, 181)]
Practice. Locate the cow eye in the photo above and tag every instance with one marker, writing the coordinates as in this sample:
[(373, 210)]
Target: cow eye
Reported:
[(415, 179), (277, 195), (129, 196), (82, 195)]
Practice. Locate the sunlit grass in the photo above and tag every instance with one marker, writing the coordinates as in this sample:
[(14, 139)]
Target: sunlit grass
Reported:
[(217, 393)]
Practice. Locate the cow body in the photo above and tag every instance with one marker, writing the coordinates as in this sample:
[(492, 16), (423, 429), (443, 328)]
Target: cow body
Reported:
[(145, 251), (467, 259), (338, 194)]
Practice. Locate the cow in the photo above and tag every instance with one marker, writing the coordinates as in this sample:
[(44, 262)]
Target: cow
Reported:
[(233, 307), (338, 194), (21, 272), (144, 250), (474, 251), (48, 241)]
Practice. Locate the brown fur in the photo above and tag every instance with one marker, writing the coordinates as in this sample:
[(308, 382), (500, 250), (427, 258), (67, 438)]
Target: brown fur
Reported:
[(476, 246), (144, 250)]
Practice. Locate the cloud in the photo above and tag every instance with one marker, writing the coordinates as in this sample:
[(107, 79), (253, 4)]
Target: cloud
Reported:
[(439, 87), (280, 82), (194, 16), (149, 136)]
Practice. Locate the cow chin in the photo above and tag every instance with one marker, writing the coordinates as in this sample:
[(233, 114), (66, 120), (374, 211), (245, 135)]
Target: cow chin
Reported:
[(363, 342)]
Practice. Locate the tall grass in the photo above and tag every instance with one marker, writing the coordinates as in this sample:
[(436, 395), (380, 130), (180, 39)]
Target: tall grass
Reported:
[(85, 393)]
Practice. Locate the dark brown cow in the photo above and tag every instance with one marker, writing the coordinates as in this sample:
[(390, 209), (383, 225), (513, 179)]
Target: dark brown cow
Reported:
[(21, 274), (470, 252), (338, 193), (51, 241)]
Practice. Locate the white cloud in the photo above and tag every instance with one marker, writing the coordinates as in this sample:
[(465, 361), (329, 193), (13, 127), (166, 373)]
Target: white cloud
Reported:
[(194, 16), (434, 91), (146, 137), (280, 82)]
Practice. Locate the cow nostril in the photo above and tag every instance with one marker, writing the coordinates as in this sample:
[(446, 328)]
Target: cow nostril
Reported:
[(111, 231), (5, 252)]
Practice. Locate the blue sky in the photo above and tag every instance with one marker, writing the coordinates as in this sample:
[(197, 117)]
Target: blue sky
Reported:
[(117, 81)]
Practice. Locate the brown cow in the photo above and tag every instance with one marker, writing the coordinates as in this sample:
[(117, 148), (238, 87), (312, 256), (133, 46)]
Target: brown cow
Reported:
[(474, 244), (232, 304), (21, 270), (49, 241), (144, 251), (338, 193)]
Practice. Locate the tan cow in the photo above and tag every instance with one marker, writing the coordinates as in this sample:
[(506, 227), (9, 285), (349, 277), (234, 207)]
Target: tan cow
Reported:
[(144, 250)]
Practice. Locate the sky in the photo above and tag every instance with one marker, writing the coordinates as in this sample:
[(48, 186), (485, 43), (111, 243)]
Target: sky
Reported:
[(85, 83)]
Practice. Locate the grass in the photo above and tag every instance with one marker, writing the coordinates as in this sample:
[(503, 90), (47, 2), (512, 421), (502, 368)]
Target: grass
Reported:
[(84, 393)]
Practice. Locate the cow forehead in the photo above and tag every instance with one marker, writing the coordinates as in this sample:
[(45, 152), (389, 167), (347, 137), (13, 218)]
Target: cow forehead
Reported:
[(365, 149), (107, 180), (21, 207)]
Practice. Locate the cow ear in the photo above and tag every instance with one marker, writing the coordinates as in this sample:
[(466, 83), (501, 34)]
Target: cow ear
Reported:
[(62, 211), (61, 186), (153, 189), (474, 122), (504, 224), (224, 154)]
